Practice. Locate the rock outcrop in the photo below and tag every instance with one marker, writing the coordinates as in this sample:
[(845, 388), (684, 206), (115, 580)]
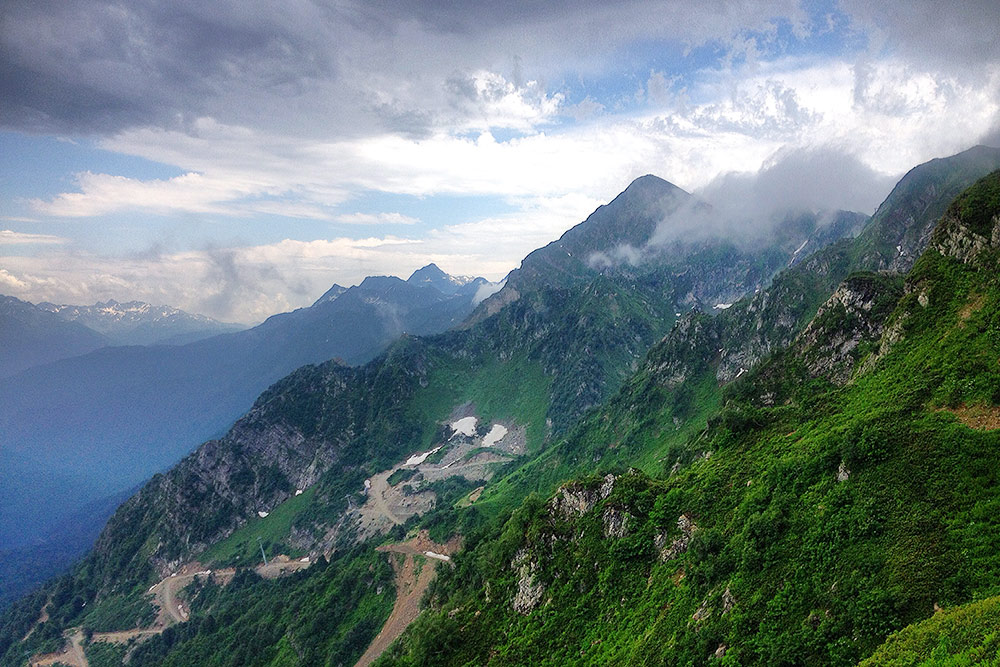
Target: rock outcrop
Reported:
[(856, 313)]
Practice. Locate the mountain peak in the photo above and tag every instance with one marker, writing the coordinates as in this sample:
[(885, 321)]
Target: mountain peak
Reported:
[(432, 276), (650, 181), (428, 274)]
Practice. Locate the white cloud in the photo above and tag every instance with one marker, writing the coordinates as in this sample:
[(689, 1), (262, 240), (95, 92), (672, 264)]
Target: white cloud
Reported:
[(888, 115), (9, 237), (376, 219), (11, 284)]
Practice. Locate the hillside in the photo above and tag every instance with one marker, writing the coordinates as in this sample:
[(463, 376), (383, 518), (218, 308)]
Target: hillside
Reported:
[(815, 515), (534, 367)]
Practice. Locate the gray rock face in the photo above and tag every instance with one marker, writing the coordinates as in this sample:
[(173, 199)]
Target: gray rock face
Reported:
[(680, 544), (958, 241), (770, 319), (574, 500), (728, 601), (691, 344), (529, 589), (616, 522), (855, 313)]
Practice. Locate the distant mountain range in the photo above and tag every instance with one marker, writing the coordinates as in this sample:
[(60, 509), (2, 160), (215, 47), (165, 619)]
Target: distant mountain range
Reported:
[(92, 425), (33, 335), (139, 323)]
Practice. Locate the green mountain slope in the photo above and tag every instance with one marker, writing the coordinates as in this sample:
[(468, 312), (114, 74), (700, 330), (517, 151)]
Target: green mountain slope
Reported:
[(571, 344), (809, 521)]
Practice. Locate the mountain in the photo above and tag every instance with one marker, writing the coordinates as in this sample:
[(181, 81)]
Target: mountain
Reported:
[(556, 351), (434, 277), (139, 323), (844, 492), (31, 336), (94, 425), (803, 482)]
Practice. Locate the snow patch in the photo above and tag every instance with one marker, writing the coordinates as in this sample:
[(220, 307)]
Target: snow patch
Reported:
[(495, 435), (262, 514), (432, 554), (800, 248), (466, 426), (722, 306), (417, 459), (298, 492)]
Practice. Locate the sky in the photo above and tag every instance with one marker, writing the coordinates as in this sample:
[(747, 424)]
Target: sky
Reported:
[(236, 158)]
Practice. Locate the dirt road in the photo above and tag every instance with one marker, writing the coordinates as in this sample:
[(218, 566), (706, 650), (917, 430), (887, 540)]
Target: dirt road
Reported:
[(72, 655), (411, 583), (171, 610)]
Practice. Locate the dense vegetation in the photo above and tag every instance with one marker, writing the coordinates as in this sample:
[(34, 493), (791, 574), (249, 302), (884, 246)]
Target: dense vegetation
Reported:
[(824, 521), (326, 615)]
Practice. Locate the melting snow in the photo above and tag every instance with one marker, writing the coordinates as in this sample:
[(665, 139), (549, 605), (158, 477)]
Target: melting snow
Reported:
[(742, 371), (495, 435), (298, 492), (723, 306), (432, 554), (800, 247), (262, 514), (417, 459), (465, 426)]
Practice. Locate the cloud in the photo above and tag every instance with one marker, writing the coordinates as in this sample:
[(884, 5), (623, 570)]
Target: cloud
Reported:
[(745, 207), (11, 284), (376, 219), (294, 110), (959, 38), (332, 71), (804, 179), (486, 291), (9, 237), (242, 283)]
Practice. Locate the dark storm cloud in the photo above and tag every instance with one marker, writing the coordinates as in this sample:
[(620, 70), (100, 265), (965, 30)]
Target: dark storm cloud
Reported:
[(302, 66), (88, 65)]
